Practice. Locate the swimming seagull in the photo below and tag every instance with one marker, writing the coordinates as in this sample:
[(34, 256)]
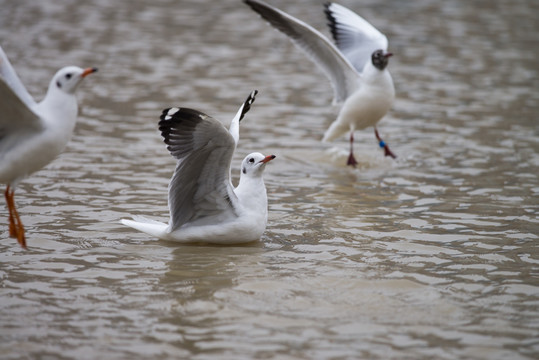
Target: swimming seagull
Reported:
[(356, 67), (33, 134), (203, 204)]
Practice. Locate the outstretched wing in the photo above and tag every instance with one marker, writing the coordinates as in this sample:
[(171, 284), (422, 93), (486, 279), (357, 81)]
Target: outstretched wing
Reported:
[(200, 189), (8, 74), (354, 36), (342, 74), (16, 115), (17, 121), (244, 108)]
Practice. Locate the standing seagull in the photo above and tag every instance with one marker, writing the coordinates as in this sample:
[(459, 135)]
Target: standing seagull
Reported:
[(356, 67), (33, 134), (204, 207)]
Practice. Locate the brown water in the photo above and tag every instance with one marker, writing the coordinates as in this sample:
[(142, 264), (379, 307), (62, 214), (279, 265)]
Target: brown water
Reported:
[(430, 256)]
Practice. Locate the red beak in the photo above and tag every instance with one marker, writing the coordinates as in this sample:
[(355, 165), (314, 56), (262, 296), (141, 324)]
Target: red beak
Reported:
[(388, 54), (88, 71), (267, 158)]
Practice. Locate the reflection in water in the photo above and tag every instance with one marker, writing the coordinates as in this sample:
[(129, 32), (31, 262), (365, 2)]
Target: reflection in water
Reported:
[(429, 256)]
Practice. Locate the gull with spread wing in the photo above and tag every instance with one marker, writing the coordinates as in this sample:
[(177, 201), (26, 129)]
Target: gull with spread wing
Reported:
[(356, 66), (203, 204), (32, 134)]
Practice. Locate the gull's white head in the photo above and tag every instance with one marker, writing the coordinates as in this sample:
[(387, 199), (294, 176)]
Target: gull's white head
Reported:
[(253, 165), (67, 79)]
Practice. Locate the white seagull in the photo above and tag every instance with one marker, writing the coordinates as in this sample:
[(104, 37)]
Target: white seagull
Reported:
[(203, 204), (356, 67), (33, 134)]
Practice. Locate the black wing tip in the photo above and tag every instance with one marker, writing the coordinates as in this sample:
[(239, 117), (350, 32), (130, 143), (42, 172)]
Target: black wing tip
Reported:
[(274, 16), (332, 21), (247, 103), (179, 114), (177, 119), (252, 4), (261, 8)]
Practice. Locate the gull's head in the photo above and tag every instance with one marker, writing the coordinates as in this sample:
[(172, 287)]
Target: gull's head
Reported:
[(380, 58), (67, 79), (254, 164)]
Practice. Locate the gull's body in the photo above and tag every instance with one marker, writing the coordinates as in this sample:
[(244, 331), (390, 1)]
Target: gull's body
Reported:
[(356, 66), (33, 134), (203, 204)]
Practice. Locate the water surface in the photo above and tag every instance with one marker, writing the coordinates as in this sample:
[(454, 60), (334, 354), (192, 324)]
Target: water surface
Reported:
[(430, 256)]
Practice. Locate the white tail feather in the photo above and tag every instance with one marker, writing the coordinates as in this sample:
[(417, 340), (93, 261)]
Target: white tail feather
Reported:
[(150, 227)]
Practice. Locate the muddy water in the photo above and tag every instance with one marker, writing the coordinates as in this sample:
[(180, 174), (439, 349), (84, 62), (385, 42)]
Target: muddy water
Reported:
[(430, 256)]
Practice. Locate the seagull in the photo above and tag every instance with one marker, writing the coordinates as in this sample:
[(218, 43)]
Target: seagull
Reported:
[(356, 66), (203, 204), (32, 134)]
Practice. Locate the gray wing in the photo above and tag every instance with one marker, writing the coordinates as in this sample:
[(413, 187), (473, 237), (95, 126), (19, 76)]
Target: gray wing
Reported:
[(342, 74), (17, 121), (354, 36), (200, 189), (8, 74)]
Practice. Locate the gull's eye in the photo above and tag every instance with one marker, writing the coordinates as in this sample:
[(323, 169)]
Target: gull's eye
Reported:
[(251, 160), (68, 76)]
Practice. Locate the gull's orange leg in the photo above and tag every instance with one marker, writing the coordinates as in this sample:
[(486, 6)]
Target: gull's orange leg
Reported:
[(20, 231), (16, 229), (12, 227)]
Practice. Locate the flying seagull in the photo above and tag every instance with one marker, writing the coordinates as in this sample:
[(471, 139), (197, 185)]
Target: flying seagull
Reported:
[(356, 66)]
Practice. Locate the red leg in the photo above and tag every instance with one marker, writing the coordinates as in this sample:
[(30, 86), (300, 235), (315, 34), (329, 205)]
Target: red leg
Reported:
[(382, 144), (351, 159)]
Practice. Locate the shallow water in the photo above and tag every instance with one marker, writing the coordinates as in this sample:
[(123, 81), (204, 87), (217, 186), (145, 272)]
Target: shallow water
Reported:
[(430, 256)]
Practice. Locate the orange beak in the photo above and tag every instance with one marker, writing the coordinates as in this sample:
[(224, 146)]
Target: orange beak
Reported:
[(267, 158), (88, 71)]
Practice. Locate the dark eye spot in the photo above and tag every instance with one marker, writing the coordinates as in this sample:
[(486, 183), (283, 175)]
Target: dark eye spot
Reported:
[(59, 84), (68, 76), (251, 160), (244, 171)]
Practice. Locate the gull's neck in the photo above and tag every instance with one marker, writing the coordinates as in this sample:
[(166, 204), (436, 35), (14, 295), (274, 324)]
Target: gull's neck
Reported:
[(376, 78), (58, 111), (59, 108), (251, 192)]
